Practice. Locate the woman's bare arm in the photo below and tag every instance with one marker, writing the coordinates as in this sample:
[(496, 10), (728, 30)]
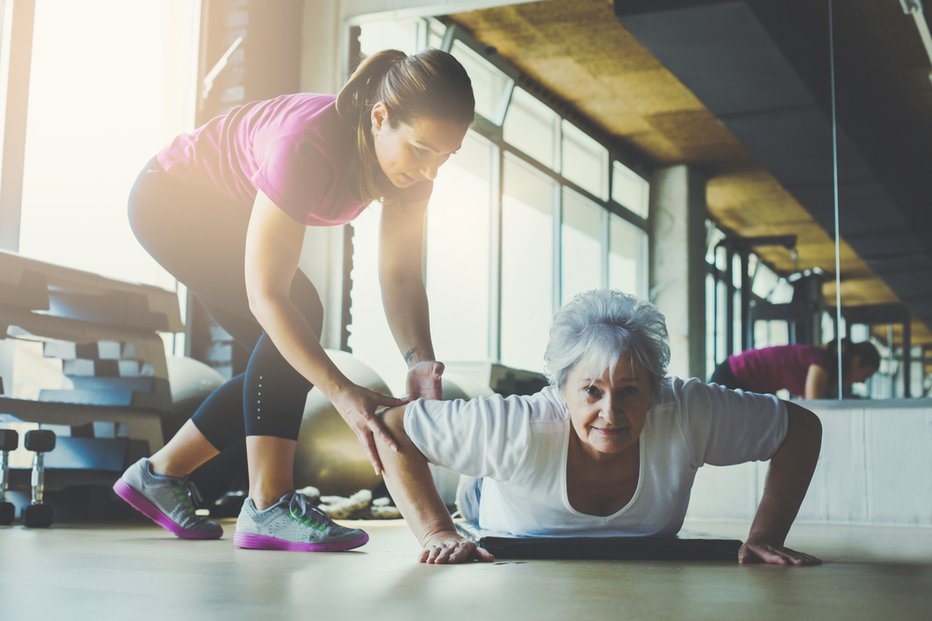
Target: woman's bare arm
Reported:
[(788, 477), (273, 248), (816, 382), (401, 276), (411, 485)]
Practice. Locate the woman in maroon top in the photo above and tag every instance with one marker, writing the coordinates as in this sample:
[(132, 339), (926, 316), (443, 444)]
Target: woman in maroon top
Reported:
[(224, 209), (805, 371)]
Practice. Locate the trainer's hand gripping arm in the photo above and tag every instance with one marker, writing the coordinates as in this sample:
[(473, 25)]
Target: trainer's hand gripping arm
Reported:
[(273, 248)]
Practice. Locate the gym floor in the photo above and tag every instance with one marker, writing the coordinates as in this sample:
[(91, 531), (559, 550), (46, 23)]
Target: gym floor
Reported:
[(136, 571)]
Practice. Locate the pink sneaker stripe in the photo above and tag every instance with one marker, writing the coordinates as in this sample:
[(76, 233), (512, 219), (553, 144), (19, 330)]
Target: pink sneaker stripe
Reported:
[(263, 542), (142, 504)]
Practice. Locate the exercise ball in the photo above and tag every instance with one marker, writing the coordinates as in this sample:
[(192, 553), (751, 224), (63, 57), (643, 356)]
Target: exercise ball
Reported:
[(329, 456), (190, 379)]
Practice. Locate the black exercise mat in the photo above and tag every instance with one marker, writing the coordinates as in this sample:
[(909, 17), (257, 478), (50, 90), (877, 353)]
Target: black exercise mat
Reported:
[(686, 546)]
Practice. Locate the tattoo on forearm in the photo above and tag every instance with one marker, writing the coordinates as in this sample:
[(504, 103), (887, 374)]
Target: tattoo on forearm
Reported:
[(409, 355)]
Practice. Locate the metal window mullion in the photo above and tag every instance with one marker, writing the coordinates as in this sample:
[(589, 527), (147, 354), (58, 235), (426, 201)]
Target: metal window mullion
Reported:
[(645, 265), (606, 245), (616, 208), (497, 191), (558, 144), (557, 241)]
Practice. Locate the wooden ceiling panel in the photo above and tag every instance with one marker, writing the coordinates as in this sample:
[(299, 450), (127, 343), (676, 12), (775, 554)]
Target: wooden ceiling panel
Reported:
[(581, 54), (650, 93), (702, 141)]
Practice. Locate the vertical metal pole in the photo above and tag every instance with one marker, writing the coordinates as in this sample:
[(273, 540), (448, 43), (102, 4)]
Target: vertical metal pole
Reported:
[(890, 356), (497, 190), (838, 336), (38, 478), (715, 305), (729, 299), (746, 327), (907, 357)]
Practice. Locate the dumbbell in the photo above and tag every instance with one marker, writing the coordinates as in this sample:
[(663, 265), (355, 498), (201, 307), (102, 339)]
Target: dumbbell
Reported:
[(9, 440), (38, 514)]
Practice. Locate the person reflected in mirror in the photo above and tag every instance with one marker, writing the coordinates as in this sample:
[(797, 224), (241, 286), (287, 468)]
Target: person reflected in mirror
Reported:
[(805, 371)]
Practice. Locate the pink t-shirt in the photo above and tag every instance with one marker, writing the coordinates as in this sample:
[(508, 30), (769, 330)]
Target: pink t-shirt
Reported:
[(783, 366), (295, 148)]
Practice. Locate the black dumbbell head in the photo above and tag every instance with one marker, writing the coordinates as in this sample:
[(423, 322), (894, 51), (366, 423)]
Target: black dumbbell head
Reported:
[(7, 513), (40, 440), (37, 516), (9, 439)]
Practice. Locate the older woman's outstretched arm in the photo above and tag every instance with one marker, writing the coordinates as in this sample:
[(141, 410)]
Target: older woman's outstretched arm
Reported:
[(791, 469), (411, 485)]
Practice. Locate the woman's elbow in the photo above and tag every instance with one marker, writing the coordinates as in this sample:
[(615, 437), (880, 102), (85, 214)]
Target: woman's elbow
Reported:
[(261, 303), (394, 421), (804, 426)]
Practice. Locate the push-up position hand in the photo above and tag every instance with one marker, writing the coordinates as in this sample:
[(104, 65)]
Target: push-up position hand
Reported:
[(759, 551), (448, 547)]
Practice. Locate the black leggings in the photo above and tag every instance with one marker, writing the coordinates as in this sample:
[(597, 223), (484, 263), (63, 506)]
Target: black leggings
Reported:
[(199, 236)]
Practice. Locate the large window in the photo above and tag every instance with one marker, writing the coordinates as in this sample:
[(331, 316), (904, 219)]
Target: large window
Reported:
[(104, 96), (458, 268), (394, 34), (581, 248), (585, 161), (630, 190), (459, 252), (369, 336), (522, 219), (490, 86), (627, 257), (527, 264), (532, 127)]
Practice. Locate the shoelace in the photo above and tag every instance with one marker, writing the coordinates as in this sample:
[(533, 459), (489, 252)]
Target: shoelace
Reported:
[(299, 508)]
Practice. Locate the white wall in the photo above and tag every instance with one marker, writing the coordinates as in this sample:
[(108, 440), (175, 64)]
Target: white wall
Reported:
[(875, 468)]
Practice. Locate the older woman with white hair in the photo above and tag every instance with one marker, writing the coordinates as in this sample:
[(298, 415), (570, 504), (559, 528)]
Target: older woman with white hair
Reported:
[(610, 448)]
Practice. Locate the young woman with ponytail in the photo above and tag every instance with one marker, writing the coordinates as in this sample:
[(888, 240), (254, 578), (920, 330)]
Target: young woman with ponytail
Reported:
[(224, 210)]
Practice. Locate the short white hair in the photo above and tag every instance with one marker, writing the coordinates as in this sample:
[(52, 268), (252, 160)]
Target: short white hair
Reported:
[(598, 326)]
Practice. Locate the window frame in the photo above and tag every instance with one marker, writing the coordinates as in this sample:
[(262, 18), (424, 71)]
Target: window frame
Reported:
[(493, 131)]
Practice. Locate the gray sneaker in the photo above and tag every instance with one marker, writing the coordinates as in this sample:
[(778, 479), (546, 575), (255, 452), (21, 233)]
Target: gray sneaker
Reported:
[(167, 501), (292, 524)]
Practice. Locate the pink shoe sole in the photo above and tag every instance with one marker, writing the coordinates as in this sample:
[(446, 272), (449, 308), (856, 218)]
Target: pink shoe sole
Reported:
[(262, 542), (142, 504)]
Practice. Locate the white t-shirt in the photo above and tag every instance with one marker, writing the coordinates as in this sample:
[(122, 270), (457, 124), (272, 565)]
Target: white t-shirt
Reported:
[(520, 445)]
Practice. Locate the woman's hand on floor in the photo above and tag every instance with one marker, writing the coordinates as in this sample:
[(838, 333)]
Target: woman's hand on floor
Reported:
[(448, 547), (759, 551)]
